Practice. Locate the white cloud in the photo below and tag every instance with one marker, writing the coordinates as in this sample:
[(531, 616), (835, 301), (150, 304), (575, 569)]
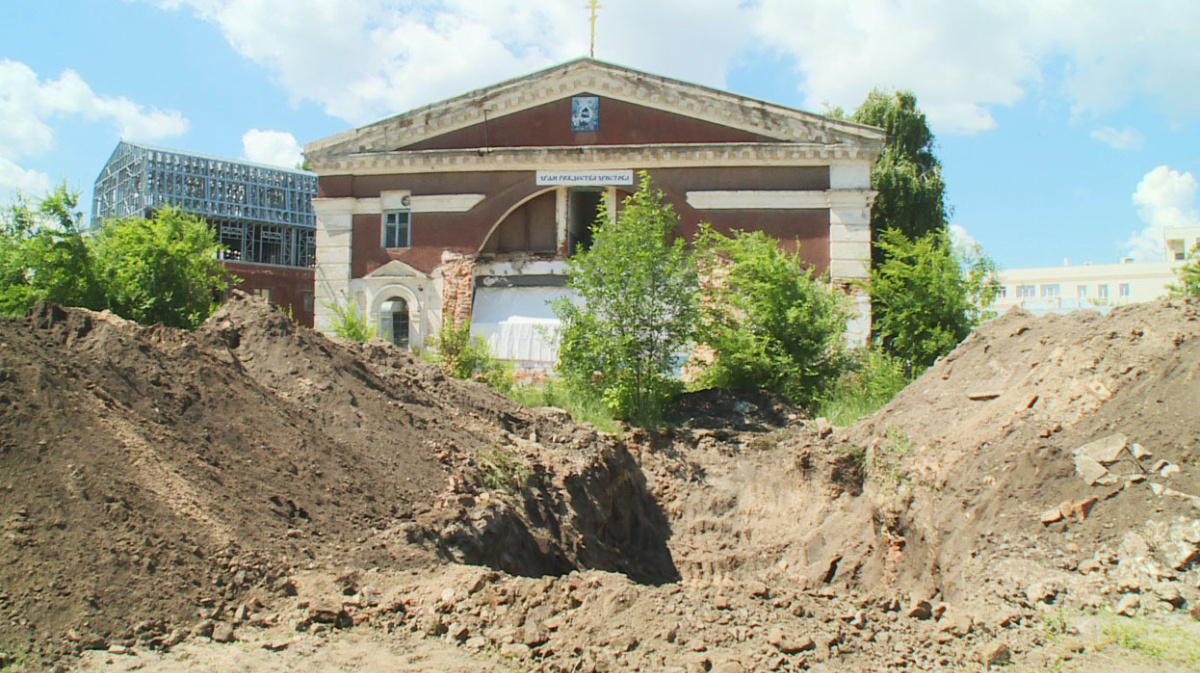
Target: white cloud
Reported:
[(1164, 198), (1124, 139), (963, 58), (960, 239), (363, 59), (13, 178), (29, 107), (274, 148)]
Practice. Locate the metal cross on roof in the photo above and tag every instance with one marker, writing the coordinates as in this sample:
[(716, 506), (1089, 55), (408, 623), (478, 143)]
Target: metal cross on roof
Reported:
[(593, 5)]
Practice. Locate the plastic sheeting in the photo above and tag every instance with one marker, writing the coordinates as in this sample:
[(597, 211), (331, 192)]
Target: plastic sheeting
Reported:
[(517, 323)]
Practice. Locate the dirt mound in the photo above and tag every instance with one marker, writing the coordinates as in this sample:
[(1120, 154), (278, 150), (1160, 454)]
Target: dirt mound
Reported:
[(151, 477), (982, 482), (258, 482)]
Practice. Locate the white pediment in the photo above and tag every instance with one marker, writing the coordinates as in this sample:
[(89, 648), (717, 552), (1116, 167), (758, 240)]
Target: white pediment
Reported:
[(596, 77), (396, 269)]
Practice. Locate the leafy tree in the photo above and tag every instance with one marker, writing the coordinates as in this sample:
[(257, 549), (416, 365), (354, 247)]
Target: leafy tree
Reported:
[(163, 269), (907, 175), (636, 308), (769, 322), (929, 296), (44, 255), (1188, 284)]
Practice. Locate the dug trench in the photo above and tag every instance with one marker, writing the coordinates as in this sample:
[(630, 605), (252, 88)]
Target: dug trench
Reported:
[(164, 493)]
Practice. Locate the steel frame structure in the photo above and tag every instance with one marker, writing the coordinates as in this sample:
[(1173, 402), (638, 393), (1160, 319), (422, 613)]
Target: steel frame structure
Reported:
[(262, 214)]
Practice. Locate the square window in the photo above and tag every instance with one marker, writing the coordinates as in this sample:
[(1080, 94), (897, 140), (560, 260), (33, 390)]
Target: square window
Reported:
[(396, 229)]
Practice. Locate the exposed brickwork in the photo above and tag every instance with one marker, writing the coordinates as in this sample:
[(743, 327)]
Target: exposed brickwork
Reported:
[(458, 279)]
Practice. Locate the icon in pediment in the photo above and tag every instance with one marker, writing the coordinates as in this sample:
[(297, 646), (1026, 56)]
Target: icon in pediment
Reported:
[(585, 113)]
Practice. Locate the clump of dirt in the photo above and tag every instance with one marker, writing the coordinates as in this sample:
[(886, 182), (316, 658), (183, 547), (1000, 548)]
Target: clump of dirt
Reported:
[(151, 477)]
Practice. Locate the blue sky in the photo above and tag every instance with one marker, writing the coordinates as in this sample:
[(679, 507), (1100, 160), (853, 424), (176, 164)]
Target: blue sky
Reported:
[(1067, 128)]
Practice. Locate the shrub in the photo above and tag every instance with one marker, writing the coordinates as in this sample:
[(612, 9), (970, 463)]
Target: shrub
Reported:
[(769, 323)]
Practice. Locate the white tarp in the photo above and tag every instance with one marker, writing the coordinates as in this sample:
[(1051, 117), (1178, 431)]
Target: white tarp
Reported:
[(518, 324)]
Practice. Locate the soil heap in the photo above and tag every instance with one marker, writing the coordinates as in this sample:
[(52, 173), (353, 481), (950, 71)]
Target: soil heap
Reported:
[(254, 481), (149, 475)]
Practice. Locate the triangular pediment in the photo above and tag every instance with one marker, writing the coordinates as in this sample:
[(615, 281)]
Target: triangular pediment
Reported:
[(747, 119), (396, 269)]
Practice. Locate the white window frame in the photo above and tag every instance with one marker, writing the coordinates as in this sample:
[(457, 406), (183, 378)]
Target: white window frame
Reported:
[(1051, 291), (395, 231), (1026, 291), (1124, 291), (1102, 291)]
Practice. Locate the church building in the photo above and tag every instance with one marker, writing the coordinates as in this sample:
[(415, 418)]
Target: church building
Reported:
[(470, 208)]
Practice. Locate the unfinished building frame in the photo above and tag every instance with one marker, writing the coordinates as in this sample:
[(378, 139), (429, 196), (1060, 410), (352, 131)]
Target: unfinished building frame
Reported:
[(261, 214)]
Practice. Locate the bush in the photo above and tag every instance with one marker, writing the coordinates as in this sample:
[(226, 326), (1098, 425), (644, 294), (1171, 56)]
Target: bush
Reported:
[(872, 378), (163, 269), (158, 270), (769, 322), (463, 356)]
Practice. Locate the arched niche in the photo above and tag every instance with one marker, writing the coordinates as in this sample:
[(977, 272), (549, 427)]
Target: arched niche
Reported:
[(529, 227)]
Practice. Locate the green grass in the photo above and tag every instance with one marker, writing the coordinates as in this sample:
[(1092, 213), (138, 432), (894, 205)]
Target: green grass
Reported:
[(871, 380), (1161, 642), (584, 408)]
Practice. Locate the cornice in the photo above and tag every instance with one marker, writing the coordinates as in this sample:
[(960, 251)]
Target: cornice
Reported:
[(592, 157)]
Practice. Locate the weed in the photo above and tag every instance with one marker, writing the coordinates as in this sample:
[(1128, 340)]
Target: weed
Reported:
[(1056, 624), (501, 470), (348, 324), (583, 406), (872, 379), (886, 463), (463, 356), (1157, 641)]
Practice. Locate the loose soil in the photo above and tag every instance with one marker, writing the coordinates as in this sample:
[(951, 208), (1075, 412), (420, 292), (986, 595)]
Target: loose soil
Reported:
[(320, 505)]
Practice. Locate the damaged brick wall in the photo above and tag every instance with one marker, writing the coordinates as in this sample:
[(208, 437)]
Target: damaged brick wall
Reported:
[(458, 288)]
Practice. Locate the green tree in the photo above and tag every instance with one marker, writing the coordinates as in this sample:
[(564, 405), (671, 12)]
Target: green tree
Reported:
[(930, 298), (163, 269), (907, 175), (635, 311), (1188, 284), (769, 322), (44, 255)]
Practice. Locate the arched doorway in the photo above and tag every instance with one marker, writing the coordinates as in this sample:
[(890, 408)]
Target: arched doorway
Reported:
[(393, 318)]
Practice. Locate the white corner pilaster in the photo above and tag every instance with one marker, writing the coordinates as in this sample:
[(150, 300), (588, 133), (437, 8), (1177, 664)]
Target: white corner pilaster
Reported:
[(333, 238), (850, 233)]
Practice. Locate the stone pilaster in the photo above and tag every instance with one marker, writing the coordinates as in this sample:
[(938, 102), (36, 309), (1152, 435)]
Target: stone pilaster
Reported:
[(333, 240)]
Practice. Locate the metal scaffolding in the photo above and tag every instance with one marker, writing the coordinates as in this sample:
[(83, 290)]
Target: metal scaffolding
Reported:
[(262, 215)]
